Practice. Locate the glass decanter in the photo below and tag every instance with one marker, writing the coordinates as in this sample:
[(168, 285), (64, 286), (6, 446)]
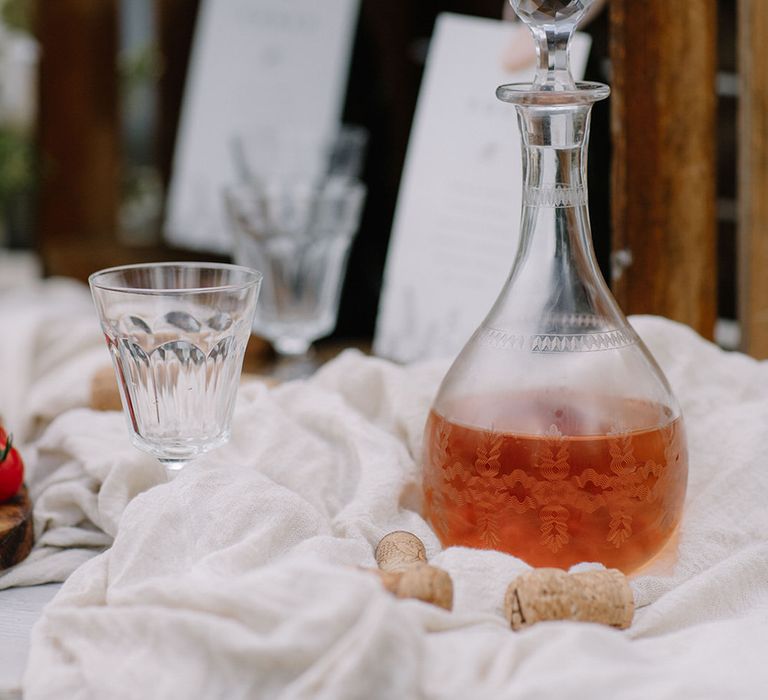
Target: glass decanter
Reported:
[(555, 436)]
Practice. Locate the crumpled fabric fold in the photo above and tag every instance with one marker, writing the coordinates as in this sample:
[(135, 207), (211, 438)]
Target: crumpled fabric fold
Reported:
[(241, 578)]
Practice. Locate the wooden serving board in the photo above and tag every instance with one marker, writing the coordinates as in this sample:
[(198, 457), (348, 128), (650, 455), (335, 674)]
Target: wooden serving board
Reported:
[(16, 532)]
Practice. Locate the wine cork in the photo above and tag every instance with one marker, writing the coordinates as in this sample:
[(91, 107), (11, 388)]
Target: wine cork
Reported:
[(105, 396), (588, 596), (422, 582), (403, 569), (399, 550)]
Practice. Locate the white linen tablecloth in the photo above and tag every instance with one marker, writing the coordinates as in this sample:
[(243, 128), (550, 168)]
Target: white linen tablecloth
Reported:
[(238, 579)]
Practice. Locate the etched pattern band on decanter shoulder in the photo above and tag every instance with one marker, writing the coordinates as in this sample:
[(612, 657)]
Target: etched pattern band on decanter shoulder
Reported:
[(555, 196), (557, 342)]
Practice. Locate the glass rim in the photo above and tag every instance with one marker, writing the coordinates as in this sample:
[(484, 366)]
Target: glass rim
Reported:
[(532, 95), (255, 278)]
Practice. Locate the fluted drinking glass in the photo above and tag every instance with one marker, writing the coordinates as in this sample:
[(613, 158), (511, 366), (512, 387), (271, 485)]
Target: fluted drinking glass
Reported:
[(177, 334), (299, 233)]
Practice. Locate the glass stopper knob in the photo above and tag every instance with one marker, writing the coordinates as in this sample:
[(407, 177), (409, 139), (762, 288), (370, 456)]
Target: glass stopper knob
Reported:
[(552, 23)]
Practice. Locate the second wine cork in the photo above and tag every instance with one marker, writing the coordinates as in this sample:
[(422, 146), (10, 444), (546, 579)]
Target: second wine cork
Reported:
[(105, 395), (587, 596), (421, 582)]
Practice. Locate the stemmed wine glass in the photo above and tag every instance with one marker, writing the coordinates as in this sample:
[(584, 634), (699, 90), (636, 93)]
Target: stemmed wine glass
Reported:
[(294, 213), (177, 334), (300, 235)]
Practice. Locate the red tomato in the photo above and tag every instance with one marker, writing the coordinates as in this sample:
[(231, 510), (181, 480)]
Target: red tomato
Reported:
[(11, 468)]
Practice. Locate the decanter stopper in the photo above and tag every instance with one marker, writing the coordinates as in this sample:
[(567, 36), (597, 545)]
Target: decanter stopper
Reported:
[(552, 23)]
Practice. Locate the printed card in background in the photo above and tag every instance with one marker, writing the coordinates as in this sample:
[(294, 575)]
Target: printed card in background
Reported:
[(260, 69), (456, 226)]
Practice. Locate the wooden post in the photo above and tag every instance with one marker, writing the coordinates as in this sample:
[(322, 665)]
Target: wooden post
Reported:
[(663, 185), (78, 132), (753, 175), (176, 21)]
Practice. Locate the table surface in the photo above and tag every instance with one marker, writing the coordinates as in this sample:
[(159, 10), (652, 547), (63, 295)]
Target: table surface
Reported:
[(19, 610)]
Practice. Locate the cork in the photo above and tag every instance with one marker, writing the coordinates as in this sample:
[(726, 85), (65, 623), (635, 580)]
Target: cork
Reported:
[(421, 582), (399, 550), (588, 596), (105, 396), (404, 572)]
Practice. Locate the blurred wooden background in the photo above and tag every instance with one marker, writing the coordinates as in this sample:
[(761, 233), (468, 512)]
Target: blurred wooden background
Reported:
[(662, 194), (753, 175), (79, 129)]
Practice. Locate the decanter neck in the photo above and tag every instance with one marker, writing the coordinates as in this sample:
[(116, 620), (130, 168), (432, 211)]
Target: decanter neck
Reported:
[(555, 273), (554, 155)]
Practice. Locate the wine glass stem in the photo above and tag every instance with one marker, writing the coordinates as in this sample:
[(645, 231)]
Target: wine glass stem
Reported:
[(173, 466), (292, 346)]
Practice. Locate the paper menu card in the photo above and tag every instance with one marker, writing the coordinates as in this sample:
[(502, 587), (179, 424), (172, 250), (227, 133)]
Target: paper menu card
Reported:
[(456, 227), (261, 70)]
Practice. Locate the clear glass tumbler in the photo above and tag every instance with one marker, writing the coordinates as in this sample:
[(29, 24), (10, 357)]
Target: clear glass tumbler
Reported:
[(299, 233), (177, 334)]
